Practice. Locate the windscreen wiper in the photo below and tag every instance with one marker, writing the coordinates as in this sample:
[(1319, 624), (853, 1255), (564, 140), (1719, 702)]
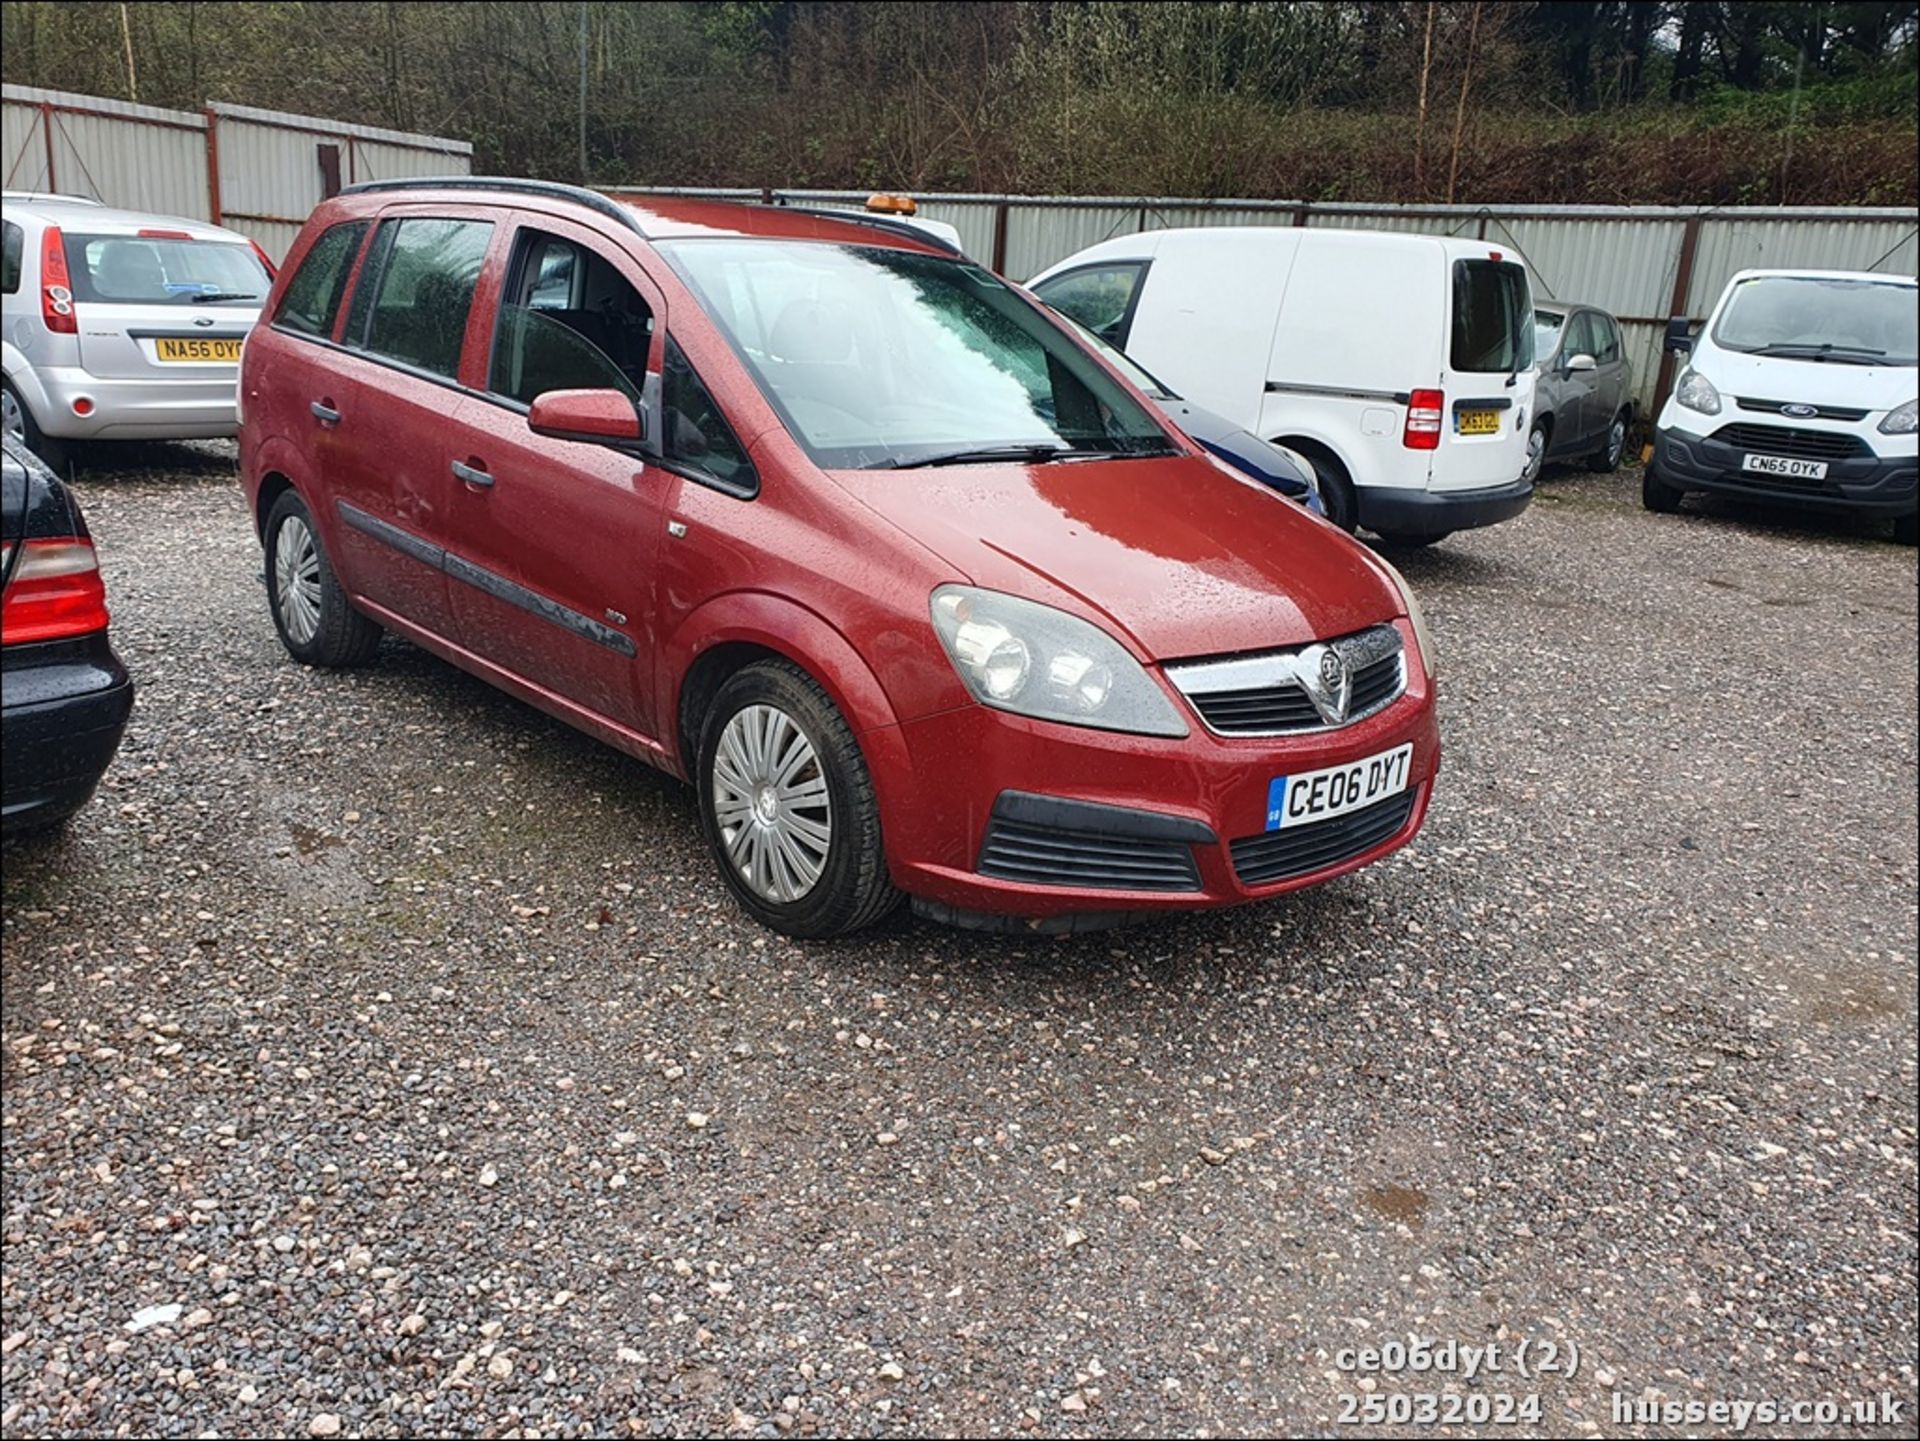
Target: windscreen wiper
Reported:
[(1826, 350), (988, 454), (208, 297)]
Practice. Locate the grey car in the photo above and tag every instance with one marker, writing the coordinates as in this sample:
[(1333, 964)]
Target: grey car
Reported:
[(1583, 401)]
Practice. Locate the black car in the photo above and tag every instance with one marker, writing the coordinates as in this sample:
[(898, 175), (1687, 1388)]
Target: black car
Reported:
[(64, 695)]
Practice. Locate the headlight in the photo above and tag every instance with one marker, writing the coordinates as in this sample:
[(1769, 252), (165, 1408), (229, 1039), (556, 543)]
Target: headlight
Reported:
[(1036, 661), (1902, 420), (1421, 635), (1696, 392)]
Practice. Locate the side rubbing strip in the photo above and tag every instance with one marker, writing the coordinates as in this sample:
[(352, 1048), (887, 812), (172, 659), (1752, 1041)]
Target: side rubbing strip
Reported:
[(482, 579), (502, 588), (403, 541)]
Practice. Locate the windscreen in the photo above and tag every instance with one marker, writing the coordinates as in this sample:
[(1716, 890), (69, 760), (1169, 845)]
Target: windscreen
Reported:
[(1821, 318), (877, 357), (152, 270), (1492, 317)]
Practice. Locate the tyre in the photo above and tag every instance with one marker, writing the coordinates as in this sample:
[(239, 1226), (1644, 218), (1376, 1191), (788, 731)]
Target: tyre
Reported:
[(317, 623), (1906, 529), (1656, 495), (1336, 490), (788, 807), (1536, 460), (1607, 458), (19, 423)]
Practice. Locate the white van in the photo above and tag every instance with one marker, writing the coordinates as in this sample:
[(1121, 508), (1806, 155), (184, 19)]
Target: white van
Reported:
[(1400, 365), (1801, 388)]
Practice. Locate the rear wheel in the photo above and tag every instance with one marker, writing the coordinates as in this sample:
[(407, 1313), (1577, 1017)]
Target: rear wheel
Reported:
[(317, 623), (1607, 457), (1656, 495), (1336, 489), (17, 421), (788, 806)]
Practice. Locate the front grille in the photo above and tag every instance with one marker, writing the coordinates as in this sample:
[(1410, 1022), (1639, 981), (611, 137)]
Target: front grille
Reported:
[(1262, 694), (1042, 855), (1800, 444), (1821, 412), (1281, 855)]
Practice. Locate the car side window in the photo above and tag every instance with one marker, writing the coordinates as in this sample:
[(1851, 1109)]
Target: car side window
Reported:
[(12, 243), (697, 436), (312, 297), (1607, 336), (1100, 297), (569, 320), (427, 270)]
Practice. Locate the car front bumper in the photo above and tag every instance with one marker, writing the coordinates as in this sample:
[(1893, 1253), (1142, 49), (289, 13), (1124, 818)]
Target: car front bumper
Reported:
[(1871, 485), (1171, 802), (193, 407), (63, 708), (1419, 513)]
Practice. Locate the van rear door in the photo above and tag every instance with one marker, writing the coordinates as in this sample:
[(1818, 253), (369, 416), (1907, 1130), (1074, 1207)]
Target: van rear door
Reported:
[(163, 304), (1489, 381)]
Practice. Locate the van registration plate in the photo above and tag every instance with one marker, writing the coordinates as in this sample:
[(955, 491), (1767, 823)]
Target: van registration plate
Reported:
[(169, 348), (1786, 466), (1477, 422)]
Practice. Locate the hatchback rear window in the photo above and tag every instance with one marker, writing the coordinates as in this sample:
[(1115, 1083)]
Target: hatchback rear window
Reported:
[(161, 270), (1492, 317)]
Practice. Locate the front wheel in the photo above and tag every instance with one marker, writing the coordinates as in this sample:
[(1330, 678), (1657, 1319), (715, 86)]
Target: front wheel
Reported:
[(1656, 495), (1607, 458), (317, 623), (1536, 454), (788, 806)]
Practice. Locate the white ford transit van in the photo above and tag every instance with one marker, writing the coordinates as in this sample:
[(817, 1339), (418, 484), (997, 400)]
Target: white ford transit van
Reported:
[(1400, 365), (1801, 388)]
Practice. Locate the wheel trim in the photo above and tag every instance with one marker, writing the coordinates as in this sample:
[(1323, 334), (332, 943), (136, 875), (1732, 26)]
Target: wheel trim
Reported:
[(1616, 440), (296, 580), (1536, 452), (771, 805)]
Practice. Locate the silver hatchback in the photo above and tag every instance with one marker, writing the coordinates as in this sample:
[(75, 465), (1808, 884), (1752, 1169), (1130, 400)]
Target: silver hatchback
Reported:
[(120, 325), (1583, 399)]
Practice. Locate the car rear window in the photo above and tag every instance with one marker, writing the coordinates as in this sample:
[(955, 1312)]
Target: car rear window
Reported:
[(163, 270), (312, 297), (1492, 317)]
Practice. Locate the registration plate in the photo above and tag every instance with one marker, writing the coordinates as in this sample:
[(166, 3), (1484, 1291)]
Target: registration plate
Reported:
[(1477, 422), (224, 352), (1783, 465), (1321, 795)]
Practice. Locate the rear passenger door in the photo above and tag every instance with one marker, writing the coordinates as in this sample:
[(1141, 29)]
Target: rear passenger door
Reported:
[(1615, 383), (551, 543), (389, 409), (1577, 387)]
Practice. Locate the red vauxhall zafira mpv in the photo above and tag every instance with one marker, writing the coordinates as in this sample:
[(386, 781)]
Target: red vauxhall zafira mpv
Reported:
[(807, 508)]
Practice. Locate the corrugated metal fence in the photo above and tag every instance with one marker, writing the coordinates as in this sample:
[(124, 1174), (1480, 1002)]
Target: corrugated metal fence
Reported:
[(258, 171), (1643, 263)]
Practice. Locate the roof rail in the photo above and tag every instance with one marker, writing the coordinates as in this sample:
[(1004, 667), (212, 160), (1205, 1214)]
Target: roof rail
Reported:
[(592, 199)]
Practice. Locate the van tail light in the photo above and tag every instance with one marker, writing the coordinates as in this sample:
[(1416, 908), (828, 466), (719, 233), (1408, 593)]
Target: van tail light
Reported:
[(273, 271), (55, 593), (1424, 411), (56, 286)]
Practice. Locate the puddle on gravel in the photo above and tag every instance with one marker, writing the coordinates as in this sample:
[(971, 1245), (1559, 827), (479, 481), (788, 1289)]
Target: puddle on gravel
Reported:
[(1398, 1203), (309, 841)]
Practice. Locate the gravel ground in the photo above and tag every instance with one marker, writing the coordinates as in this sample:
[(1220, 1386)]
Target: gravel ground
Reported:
[(406, 1045)]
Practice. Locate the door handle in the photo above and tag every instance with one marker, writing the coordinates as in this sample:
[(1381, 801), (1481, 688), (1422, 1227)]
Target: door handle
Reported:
[(472, 475), (324, 413)]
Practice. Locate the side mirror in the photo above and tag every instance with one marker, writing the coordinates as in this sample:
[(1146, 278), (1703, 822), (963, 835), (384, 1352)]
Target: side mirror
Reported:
[(1579, 362), (597, 417), (1680, 335)]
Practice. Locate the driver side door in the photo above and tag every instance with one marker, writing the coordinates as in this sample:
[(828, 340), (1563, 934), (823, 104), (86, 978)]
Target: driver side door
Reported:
[(552, 543)]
